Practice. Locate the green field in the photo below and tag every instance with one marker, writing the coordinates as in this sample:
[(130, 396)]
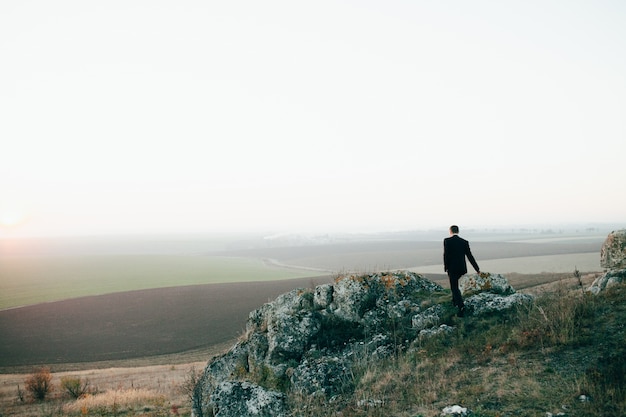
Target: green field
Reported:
[(32, 280)]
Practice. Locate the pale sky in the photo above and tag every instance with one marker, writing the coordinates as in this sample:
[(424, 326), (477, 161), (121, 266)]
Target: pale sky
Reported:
[(200, 116)]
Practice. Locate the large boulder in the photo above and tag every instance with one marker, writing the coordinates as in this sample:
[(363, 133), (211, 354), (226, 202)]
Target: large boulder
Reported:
[(488, 293), (613, 258), (613, 251), (307, 341), (485, 282), (486, 303)]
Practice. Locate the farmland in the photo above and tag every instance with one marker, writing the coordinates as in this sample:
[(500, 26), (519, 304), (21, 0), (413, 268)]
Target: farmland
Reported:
[(157, 385), (94, 302), (33, 280), (53, 270), (132, 324), (139, 315)]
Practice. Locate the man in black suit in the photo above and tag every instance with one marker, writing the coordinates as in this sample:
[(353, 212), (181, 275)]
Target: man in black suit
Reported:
[(455, 249)]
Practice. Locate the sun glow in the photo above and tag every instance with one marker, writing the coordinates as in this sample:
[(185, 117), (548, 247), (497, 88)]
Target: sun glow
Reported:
[(10, 219)]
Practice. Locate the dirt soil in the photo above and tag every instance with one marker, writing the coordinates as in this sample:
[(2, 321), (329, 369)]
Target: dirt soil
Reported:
[(130, 325)]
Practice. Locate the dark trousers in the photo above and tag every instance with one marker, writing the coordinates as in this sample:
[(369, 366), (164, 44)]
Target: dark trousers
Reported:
[(457, 299)]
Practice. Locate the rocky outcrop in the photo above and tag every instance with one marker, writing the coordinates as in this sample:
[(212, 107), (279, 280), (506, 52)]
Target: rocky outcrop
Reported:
[(485, 283), (307, 341), (485, 303), (487, 293), (613, 258), (613, 251), (607, 280)]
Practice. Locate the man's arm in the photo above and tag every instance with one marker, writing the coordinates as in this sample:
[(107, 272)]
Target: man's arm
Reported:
[(469, 255)]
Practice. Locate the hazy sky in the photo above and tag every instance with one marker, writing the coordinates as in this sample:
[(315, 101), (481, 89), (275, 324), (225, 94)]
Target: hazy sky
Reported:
[(193, 116)]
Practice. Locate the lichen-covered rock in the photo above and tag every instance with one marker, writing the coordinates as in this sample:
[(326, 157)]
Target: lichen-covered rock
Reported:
[(289, 334), (613, 251), (243, 399), (307, 341), (227, 366), (326, 375), (490, 293), (323, 296), (485, 303), (485, 282), (434, 331), (607, 280), (428, 318), (613, 258), (350, 299)]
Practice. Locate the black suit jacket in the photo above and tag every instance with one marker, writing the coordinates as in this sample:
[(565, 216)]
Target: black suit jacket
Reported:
[(455, 249)]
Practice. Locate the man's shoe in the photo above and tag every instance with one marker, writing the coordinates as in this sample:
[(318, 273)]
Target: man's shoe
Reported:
[(461, 312)]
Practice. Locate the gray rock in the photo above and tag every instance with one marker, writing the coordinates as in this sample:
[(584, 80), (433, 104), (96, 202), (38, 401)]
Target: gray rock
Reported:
[(607, 280), (434, 331), (485, 282), (288, 334), (486, 303), (244, 399), (327, 375), (323, 296), (429, 318), (489, 293), (228, 366), (613, 251), (613, 258), (351, 298), (455, 410)]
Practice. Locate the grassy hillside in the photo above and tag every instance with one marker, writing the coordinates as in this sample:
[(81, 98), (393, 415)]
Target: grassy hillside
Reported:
[(564, 354)]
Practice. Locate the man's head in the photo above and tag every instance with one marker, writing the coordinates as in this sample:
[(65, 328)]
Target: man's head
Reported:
[(454, 229)]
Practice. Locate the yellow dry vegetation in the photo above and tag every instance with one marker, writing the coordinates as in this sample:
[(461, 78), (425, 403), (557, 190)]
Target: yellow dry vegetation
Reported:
[(116, 400)]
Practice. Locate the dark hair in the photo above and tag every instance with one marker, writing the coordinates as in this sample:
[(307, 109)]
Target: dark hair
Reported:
[(454, 228)]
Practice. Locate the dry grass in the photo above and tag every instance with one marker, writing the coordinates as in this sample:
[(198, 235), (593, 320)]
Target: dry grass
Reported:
[(149, 390), (116, 401)]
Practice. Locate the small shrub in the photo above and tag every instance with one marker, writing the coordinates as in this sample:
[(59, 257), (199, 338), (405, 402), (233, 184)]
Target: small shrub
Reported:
[(75, 387), (39, 383), (20, 394), (191, 387)]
